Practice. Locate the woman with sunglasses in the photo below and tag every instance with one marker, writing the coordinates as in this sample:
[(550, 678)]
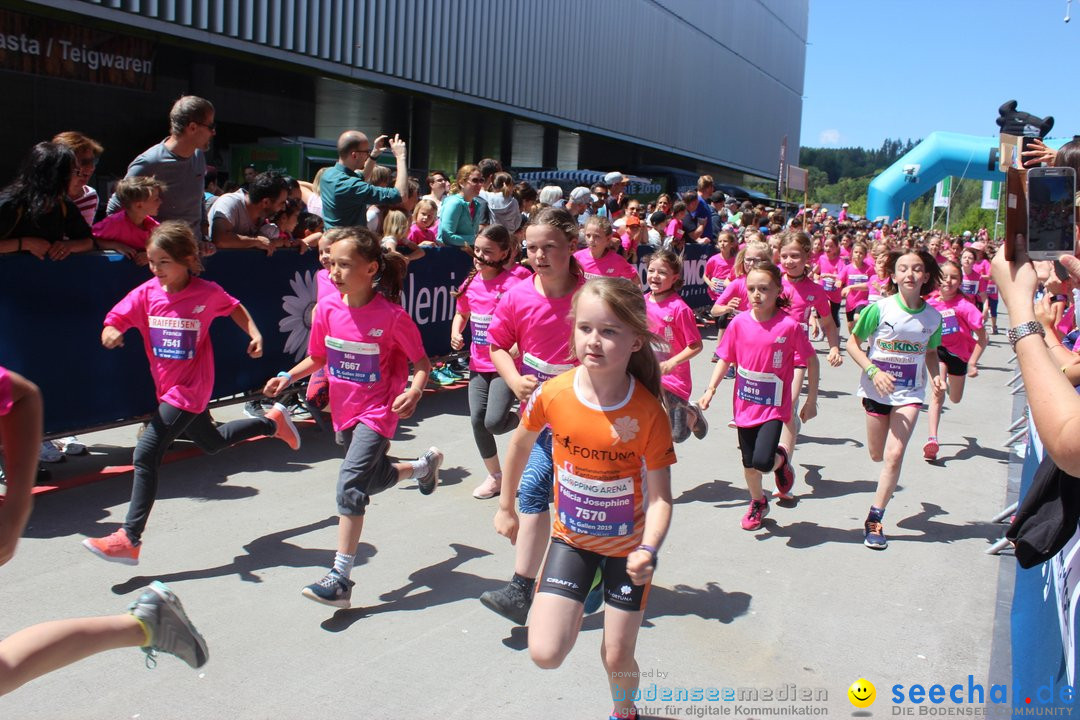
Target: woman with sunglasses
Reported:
[(462, 209)]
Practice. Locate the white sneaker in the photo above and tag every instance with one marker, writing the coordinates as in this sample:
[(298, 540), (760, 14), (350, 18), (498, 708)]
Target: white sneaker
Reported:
[(70, 445), (49, 453), (488, 489)]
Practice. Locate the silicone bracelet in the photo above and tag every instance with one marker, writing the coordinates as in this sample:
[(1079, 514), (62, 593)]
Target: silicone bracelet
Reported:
[(285, 375), (871, 370)]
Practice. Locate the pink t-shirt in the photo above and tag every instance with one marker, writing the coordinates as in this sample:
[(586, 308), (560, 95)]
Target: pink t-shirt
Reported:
[(973, 283), (831, 276), (766, 354), (5, 391), (857, 276), (521, 272), (367, 352), (982, 267), (673, 321), (735, 289), (419, 234), (479, 302), (610, 264), (719, 268), (805, 294), (119, 228), (176, 336), (539, 325), (959, 321), (324, 286), (876, 288)]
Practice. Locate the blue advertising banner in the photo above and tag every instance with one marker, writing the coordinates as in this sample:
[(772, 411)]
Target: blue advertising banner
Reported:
[(51, 317)]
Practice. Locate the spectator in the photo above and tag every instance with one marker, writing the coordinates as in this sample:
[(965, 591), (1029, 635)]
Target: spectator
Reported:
[(579, 203), (502, 205), (345, 193), (439, 185), (250, 172), (211, 189), (550, 195), (703, 212), (379, 177), (310, 192), (396, 236), (127, 231), (283, 224), (236, 217), (179, 162), (422, 231), (527, 197), (843, 216), (616, 183), (599, 207), (461, 213), (693, 224), (87, 153), (35, 212)]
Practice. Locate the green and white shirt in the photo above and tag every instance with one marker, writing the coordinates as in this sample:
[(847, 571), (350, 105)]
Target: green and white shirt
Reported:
[(899, 338)]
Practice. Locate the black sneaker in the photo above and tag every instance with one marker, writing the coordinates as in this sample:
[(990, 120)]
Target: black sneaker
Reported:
[(511, 602), (333, 589), (430, 479), (460, 364), (701, 425), (677, 417), (874, 535)]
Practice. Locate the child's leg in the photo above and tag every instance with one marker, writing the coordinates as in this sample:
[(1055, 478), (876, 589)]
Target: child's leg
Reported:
[(753, 483), (936, 401), (41, 649), (479, 384), (877, 430), (212, 439), (500, 417), (956, 387), (791, 427), (560, 603), (901, 425), (617, 649)]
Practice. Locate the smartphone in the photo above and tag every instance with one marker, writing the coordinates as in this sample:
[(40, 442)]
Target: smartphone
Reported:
[(1051, 212)]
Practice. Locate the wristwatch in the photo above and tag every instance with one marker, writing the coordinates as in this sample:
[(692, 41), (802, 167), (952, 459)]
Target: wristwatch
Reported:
[(1031, 327)]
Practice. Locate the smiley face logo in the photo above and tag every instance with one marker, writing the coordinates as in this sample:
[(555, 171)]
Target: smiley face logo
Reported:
[(862, 693)]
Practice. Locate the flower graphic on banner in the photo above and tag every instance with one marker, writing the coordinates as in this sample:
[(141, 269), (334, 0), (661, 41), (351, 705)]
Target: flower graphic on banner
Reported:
[(297, 321), (624, 429)]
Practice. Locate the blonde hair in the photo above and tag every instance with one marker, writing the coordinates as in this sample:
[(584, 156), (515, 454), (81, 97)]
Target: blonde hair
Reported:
[(625, 300), (134, 189), (420, 204), (396, 225), (176, 239), (740, 257)]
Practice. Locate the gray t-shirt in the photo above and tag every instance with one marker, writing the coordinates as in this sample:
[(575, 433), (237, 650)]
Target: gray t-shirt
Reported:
[(233, 207), (186, 181)]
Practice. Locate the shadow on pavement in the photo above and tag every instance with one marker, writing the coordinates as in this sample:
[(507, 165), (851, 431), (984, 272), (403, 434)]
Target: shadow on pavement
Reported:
[(824, 488)]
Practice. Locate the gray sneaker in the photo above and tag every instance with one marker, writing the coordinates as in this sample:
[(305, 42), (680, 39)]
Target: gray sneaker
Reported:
[(429, 480), (511, 602), (170, 630)]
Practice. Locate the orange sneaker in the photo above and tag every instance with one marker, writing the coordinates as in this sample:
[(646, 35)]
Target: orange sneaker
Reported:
[(283, 425), (114, 548)]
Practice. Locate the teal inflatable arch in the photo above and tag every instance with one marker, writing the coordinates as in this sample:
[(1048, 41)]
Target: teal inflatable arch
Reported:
[(940, 155)]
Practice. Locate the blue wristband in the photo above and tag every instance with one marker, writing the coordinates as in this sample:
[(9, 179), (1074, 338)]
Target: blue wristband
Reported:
[(285, 375)]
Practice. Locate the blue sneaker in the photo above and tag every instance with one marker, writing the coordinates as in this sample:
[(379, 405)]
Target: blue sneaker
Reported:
[(334, 589), (874, 537), (439, 376), (596, 592)]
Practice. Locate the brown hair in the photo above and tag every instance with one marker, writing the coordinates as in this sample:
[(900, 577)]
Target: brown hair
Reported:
[(79, 143), (930, 266), (463, 174), (392, 265), (134, 189), (672, 261), (565, 223), (777, 278), (176, 239), (625, 300), (499, 235)]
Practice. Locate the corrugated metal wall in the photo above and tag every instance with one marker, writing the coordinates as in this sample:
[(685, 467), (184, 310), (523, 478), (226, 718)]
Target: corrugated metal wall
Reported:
[(720, 80)]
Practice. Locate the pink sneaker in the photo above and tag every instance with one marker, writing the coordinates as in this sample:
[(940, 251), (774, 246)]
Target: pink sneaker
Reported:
[(785, 477), (114, 548), (283, 425), (930, 450), (488, 489), (755, 514)]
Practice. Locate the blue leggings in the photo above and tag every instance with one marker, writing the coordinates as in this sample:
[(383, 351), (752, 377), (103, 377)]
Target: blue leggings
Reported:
[(534, 492)]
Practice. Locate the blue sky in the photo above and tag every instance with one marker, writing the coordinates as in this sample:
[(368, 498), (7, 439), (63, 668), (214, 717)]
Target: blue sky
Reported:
[(878, 69)]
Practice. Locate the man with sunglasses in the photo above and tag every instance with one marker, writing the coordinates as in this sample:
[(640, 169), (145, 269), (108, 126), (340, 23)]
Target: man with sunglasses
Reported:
[(344, 188), (179, 161)]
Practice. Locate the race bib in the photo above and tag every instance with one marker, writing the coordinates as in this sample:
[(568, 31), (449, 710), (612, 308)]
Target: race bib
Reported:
[(603, 508), (173, 338), (721, 283), (829, 283), (662, 350), (857, 279), (479, 325), (352, 361), (992, 291), (903, 373), (532, 365), (949, 322), (759, 388), (969, 287)]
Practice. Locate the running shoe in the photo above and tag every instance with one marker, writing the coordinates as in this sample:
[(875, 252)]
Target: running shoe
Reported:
[(254, 409), (430, 480), (701, 425), (677, 417), (334, 590), (70, 445), (487, 489), (168, 627), (49, 453), (460, 364), (449, 371), (874, 535), (631, 714), (730, 375), (785, 477), (596, 592), (283, 425), (930, 449), (731, 424), (440, 377), (115, 548), (755, 514), (511, 602)]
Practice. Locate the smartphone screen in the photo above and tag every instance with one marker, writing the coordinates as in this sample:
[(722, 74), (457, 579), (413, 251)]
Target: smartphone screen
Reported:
[(1051, 212)]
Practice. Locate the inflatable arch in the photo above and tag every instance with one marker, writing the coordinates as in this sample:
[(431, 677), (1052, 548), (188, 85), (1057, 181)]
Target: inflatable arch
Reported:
[(940, 155)]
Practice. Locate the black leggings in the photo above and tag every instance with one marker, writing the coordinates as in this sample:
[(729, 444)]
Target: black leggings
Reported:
[(758, 445), (167, 424), (834, 310)]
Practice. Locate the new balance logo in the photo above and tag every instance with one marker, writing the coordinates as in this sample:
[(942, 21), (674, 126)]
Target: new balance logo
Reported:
[(375, 332)]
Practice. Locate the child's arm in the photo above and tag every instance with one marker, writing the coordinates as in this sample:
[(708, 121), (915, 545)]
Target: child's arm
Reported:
[(832, 334), (640, 563), (521, 385), (243, 318), (111, 337), (20, 434), (457, 340), (808, 411), (684, 355), (980, 346), (883, 381), (714, 382), (301, 370), (937, 383), (405, 403), (517, 455)]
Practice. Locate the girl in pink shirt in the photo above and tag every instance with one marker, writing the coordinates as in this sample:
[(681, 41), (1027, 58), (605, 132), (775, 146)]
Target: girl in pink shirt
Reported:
[(490, 398), (173, 312), (598, 259), (829, 273), (963, 340), (679, 339), (767, 345), (422, 232), (972, 282), (857, 275), (366, 341), (534, 317), (720, 268)]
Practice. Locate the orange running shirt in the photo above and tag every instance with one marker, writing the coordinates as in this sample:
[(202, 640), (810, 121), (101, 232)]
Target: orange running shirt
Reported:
[(601, 458)]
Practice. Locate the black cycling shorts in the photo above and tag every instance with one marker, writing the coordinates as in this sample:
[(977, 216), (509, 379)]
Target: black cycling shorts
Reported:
[(569, 571)]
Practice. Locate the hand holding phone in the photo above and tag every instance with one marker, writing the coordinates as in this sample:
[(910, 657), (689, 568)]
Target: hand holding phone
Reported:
[(1051, 212)]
